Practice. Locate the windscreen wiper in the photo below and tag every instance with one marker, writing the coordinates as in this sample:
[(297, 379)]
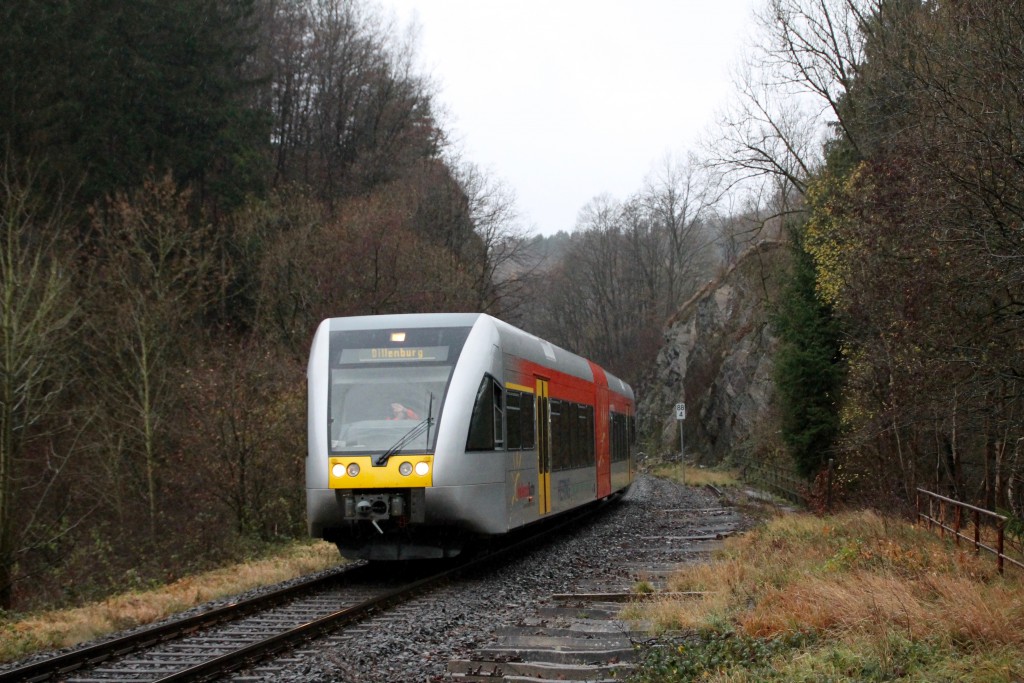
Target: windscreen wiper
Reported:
[(411, 434), (423, 426)]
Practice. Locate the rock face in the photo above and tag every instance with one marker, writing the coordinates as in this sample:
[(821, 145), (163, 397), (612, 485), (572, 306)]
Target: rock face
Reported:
[(718, 358)]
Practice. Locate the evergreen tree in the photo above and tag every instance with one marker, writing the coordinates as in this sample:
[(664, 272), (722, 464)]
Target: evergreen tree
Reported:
[(105, 92), (808, 366)]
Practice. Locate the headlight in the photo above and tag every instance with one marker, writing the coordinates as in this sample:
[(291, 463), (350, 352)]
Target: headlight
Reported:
[(405, 469), (353, 469), (422, 468), (338, 470)]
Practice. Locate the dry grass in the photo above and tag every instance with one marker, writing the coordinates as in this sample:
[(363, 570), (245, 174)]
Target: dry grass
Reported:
[(869, 589), (860, 572), (62, 628), (697, 476)]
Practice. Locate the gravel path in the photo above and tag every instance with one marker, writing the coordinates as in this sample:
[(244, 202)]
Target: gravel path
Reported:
[(416, 642)]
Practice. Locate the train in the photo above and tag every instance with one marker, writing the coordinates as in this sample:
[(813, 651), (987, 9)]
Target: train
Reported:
[(431, 432)]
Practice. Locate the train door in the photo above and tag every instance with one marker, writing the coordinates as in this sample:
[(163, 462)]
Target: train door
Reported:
[(543, 447)]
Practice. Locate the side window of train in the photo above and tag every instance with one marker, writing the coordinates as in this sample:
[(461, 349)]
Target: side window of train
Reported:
[(613, 426), (520, 411), (631, 438), (572, 435), (577, 457), (560, 451), (512, 410), (586, 431), (620, 437), (487, 425), (527, 421)]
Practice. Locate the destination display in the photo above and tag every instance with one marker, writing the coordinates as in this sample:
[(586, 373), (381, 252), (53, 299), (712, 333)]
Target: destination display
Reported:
[(394, 355)]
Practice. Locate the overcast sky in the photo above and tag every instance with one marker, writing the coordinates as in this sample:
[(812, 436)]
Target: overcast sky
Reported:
[(567, 99)]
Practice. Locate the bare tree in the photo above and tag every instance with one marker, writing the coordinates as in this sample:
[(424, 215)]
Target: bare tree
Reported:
[(37, 314), (153, 279), (680, 199), (793, 94), (348, 110), (594, 300), (244, 404), (817, 47), (751, 219), (767, 138), (501, 268)]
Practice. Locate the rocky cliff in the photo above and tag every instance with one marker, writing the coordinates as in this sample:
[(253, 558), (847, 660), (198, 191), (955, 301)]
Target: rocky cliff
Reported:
[(718, 359)]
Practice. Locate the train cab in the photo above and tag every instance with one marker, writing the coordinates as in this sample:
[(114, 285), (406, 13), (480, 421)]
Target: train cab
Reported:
[(426, 431)]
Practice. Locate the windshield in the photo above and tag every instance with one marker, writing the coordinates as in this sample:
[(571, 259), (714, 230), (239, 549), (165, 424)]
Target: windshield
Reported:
[(371, 410), (380, 390)]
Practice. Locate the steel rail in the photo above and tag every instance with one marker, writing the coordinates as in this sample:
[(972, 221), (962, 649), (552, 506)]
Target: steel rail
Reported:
[(62, 664), (254, 652), (232, 661)]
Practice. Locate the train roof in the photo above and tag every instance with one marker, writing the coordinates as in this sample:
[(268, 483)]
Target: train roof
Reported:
[(513, 340)]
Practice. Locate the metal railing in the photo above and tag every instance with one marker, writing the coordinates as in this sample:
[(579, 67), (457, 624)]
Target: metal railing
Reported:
[(947, 506), (777, 479)]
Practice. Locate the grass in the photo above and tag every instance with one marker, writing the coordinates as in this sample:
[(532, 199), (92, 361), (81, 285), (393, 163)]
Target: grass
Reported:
[(25, 634), (696, 476), (852, 597)]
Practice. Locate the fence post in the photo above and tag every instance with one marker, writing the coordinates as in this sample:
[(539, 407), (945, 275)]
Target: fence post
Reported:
[(954, 524), (977, 532)]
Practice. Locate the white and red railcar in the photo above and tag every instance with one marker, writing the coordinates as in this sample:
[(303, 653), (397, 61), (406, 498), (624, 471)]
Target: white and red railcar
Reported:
[(427, 431)]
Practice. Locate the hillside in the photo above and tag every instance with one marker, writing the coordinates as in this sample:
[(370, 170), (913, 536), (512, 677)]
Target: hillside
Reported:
[(717, 358)]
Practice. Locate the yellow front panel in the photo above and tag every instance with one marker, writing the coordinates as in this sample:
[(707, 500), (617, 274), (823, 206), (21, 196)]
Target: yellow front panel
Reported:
[(386, 477)]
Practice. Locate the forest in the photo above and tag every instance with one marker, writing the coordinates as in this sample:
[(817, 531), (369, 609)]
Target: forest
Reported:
[(187, 188)]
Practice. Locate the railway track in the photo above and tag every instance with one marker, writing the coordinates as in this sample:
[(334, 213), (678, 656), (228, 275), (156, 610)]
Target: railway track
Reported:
[(579, 635), (140, 640), (229, 638)]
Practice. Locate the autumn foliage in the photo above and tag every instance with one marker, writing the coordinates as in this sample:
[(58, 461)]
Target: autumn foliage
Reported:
[(909, 207), (175, 225)]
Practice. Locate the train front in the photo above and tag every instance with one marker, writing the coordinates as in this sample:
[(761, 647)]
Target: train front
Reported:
[(377, 388)]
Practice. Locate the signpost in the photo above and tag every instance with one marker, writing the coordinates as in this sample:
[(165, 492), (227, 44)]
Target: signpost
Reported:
[(680, 417)]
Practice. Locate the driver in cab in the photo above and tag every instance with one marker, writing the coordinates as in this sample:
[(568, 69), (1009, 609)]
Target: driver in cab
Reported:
[(400, 412)]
